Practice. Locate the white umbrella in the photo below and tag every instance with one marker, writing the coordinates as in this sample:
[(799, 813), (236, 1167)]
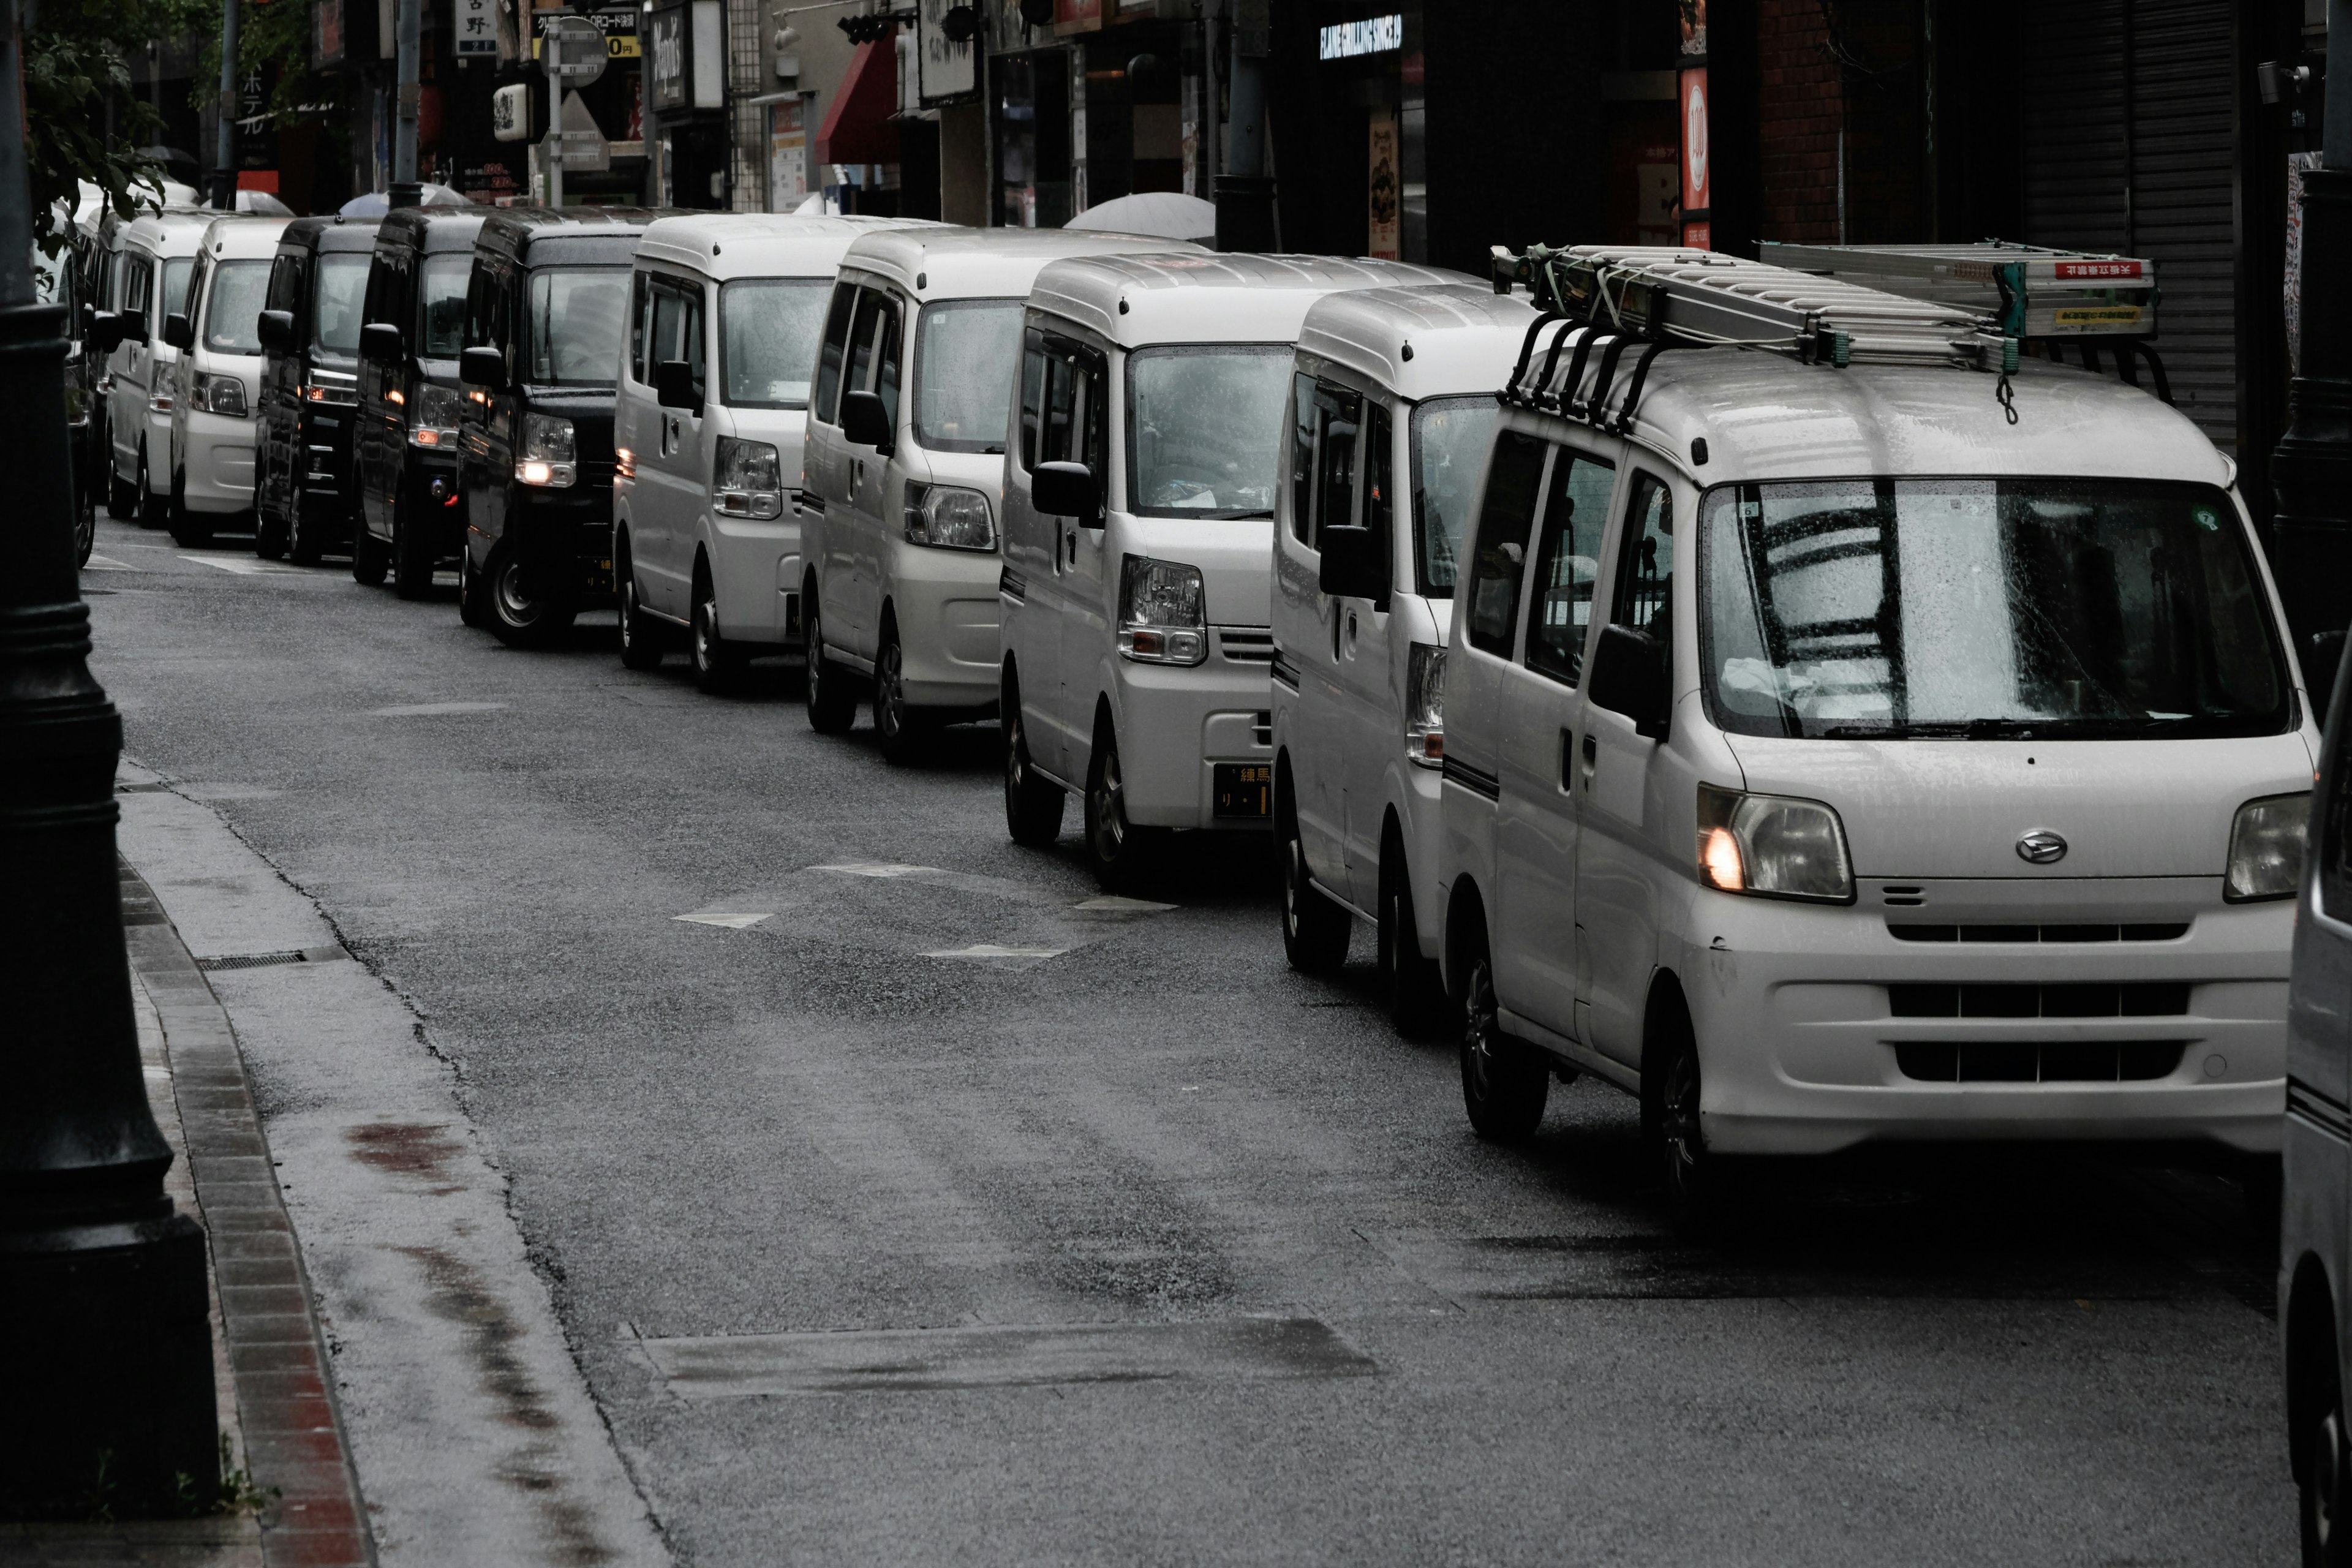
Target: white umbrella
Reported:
[(1165, 215)]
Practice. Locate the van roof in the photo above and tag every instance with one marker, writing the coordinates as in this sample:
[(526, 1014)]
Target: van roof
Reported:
[(1207, 297), (1766, 416), (721, 246), (1438, 342), (175, 232), (585, 234), (241, 238), (332, 232), (431, 230), (951, 263)]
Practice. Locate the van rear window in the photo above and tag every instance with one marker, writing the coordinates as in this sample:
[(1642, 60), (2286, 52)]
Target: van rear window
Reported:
[(1991, 609)]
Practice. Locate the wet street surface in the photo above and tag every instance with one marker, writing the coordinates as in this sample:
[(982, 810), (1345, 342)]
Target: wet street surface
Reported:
[(903, 1199)]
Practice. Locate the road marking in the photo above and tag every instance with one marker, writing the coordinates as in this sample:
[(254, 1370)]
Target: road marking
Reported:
[(245, 568), (743, 920), (104, 563), (876, 868), (863, 1360), (433, 709), (992, 949), (1111, 903)]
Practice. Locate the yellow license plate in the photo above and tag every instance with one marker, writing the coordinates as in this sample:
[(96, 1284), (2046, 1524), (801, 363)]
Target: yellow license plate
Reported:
[(1243, 789)]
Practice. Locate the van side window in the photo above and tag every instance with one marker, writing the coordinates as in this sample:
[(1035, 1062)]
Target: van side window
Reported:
[(285, 284), (829, 357), (1379, 490), (1513, 481), (1645, 574), (870, 306), (1338, 416), (885, 375), (479, 289), (2336, 832), (375, 305), (136, 277), (641, 312), (1033, 395), (1061, 409), (1576, 509), (1302, 457)]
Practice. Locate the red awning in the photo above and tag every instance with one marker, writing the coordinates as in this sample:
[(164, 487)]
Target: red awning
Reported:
[(857, 128)]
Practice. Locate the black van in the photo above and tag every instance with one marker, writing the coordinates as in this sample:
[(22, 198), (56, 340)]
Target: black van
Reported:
[(303, 498), (410, 519), (546, 311)]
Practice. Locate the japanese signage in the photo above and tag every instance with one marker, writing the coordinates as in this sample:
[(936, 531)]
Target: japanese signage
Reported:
[(477, 27), (788, 183), (619, 27), (1386, 188), (2089, 269), (943, 68)]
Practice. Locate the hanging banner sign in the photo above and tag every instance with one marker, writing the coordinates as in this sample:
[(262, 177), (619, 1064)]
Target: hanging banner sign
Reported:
[(1697, 183), (1385, 187), (477, 27)]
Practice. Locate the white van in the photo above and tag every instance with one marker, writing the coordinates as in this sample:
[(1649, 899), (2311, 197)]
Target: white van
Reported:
[(1829, 760), (1392, 413), (1139, 480), (900, 507), (159, 255), (706, 535), (216, 381)]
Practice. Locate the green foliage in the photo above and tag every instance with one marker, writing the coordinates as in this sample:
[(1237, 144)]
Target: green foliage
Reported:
[(65, 81)]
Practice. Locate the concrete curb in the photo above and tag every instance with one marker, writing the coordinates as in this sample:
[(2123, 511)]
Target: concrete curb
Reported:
[(293, 1433)]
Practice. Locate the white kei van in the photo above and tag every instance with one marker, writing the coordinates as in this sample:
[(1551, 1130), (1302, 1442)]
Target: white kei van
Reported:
[(1829, 761), (706, 535), (159, 255), (217, 382), (1392, 413), (1139, 480), (901, 504)]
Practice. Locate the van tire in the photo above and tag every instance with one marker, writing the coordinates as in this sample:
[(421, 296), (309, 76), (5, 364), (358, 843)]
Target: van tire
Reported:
[(1116, 848), (641, 634), (2319, 1447), (1504, 1082), (371, 557), (122, 497), (303, 545), (1694, 1176), (155, 512), (471, 610), (899, 728), (85, 521), (190, 530), (831, 699), (412, 554), (518, 617), (1032, 804), (1410, 982), (1315, 931), (718, 663)]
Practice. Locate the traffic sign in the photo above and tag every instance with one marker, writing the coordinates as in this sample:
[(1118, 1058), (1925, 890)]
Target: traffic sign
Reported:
[(572, 48)]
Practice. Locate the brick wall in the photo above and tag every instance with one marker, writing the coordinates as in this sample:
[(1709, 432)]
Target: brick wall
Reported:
[(1799, 106)]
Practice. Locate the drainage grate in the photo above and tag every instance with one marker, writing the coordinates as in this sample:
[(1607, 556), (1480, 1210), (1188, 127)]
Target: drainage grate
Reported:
[(264, 960)]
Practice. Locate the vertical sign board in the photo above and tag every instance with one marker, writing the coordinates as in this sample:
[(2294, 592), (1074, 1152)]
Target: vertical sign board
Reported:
[(788, 183), (944, 68), (477, 27), (1385, 187), (1696, 230), (668, 87)]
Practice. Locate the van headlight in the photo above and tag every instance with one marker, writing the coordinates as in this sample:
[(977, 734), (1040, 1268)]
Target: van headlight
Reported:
[(748, 477), (1162, 612), (222, 395), (549, 454), (432, 423), (1772, 846), (1425, 705), (2266, 848), (949, 517)]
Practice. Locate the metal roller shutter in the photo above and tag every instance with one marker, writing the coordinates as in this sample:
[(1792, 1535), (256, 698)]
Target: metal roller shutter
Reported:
[(2129, 137)]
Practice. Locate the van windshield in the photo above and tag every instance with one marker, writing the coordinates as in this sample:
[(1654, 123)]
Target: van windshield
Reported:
[(441, 305), (768, 329), (1452, 439), (233, 316), (335, 303), (577, 316), (964, 356), (1204, 428), (1984, 609)]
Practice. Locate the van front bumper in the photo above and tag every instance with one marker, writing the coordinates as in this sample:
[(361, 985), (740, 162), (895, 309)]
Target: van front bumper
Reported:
[(1802, 1049), (1178, 723), (951, 641), (216, 462)]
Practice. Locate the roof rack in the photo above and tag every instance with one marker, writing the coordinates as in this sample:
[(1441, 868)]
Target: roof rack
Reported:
[(2031, 291), (1659, 296)]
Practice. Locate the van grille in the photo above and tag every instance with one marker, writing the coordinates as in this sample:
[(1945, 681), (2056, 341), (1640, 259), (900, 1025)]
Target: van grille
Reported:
[(2037, 1061), (2163, 930), (1245, 645), (2152, 999)]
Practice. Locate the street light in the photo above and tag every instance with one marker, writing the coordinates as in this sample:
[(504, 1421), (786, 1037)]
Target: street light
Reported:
[(106, 1391)]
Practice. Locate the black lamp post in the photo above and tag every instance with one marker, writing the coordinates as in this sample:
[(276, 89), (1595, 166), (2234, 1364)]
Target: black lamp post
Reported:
[(105, 1383)]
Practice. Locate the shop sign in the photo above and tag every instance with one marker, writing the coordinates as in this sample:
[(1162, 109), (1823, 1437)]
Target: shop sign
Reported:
[(787, 155), (1386, 186), (477, 27), (619, 27), (1076, 15), (327, 33), (944, 68), (672, 85), (1374, 36), (1696, 174)]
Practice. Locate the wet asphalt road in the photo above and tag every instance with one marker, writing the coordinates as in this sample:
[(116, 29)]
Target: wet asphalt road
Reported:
[(1151, 1250)]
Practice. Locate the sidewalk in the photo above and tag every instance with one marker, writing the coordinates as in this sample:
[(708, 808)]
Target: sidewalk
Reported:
[(392, 1372)]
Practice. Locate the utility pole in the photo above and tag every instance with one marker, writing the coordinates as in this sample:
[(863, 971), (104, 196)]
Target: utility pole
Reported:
[(108, 1383), (2311, 473), (1245, 191), (224, 141), (404, 192)]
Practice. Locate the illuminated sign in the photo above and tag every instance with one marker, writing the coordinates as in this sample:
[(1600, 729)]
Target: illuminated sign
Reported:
[(1374, 36)]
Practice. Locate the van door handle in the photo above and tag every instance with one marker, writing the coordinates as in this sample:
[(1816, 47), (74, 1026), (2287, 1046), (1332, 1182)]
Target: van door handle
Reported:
[(1591, 755), (1566, 759)]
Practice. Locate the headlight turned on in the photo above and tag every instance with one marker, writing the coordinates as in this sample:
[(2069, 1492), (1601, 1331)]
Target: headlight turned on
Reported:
[(1772, 847), (549, 456), (2266, 848), (949, 517), (433, 424), (749, 479), (1162, 612), (1425, 705)]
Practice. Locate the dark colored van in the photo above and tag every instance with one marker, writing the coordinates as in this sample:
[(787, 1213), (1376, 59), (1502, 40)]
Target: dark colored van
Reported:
[(303, 498), (410, 516), (546, 313)]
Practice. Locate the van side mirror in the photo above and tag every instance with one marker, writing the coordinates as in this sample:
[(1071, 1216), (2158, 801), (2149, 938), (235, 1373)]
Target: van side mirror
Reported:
[(134, 326), (866, 421), (674, 386), (106, 329), (1066, 489), (1353, 566), (380, 340), (483, 366), (178, 332), (1631, 675), (275, 330)]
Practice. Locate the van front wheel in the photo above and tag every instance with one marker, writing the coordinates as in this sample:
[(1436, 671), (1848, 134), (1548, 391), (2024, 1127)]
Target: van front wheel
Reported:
[(1416, 994), (1033, 805), (1504, 1082), (832, 700), (1114, 845), (1315, 931)]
